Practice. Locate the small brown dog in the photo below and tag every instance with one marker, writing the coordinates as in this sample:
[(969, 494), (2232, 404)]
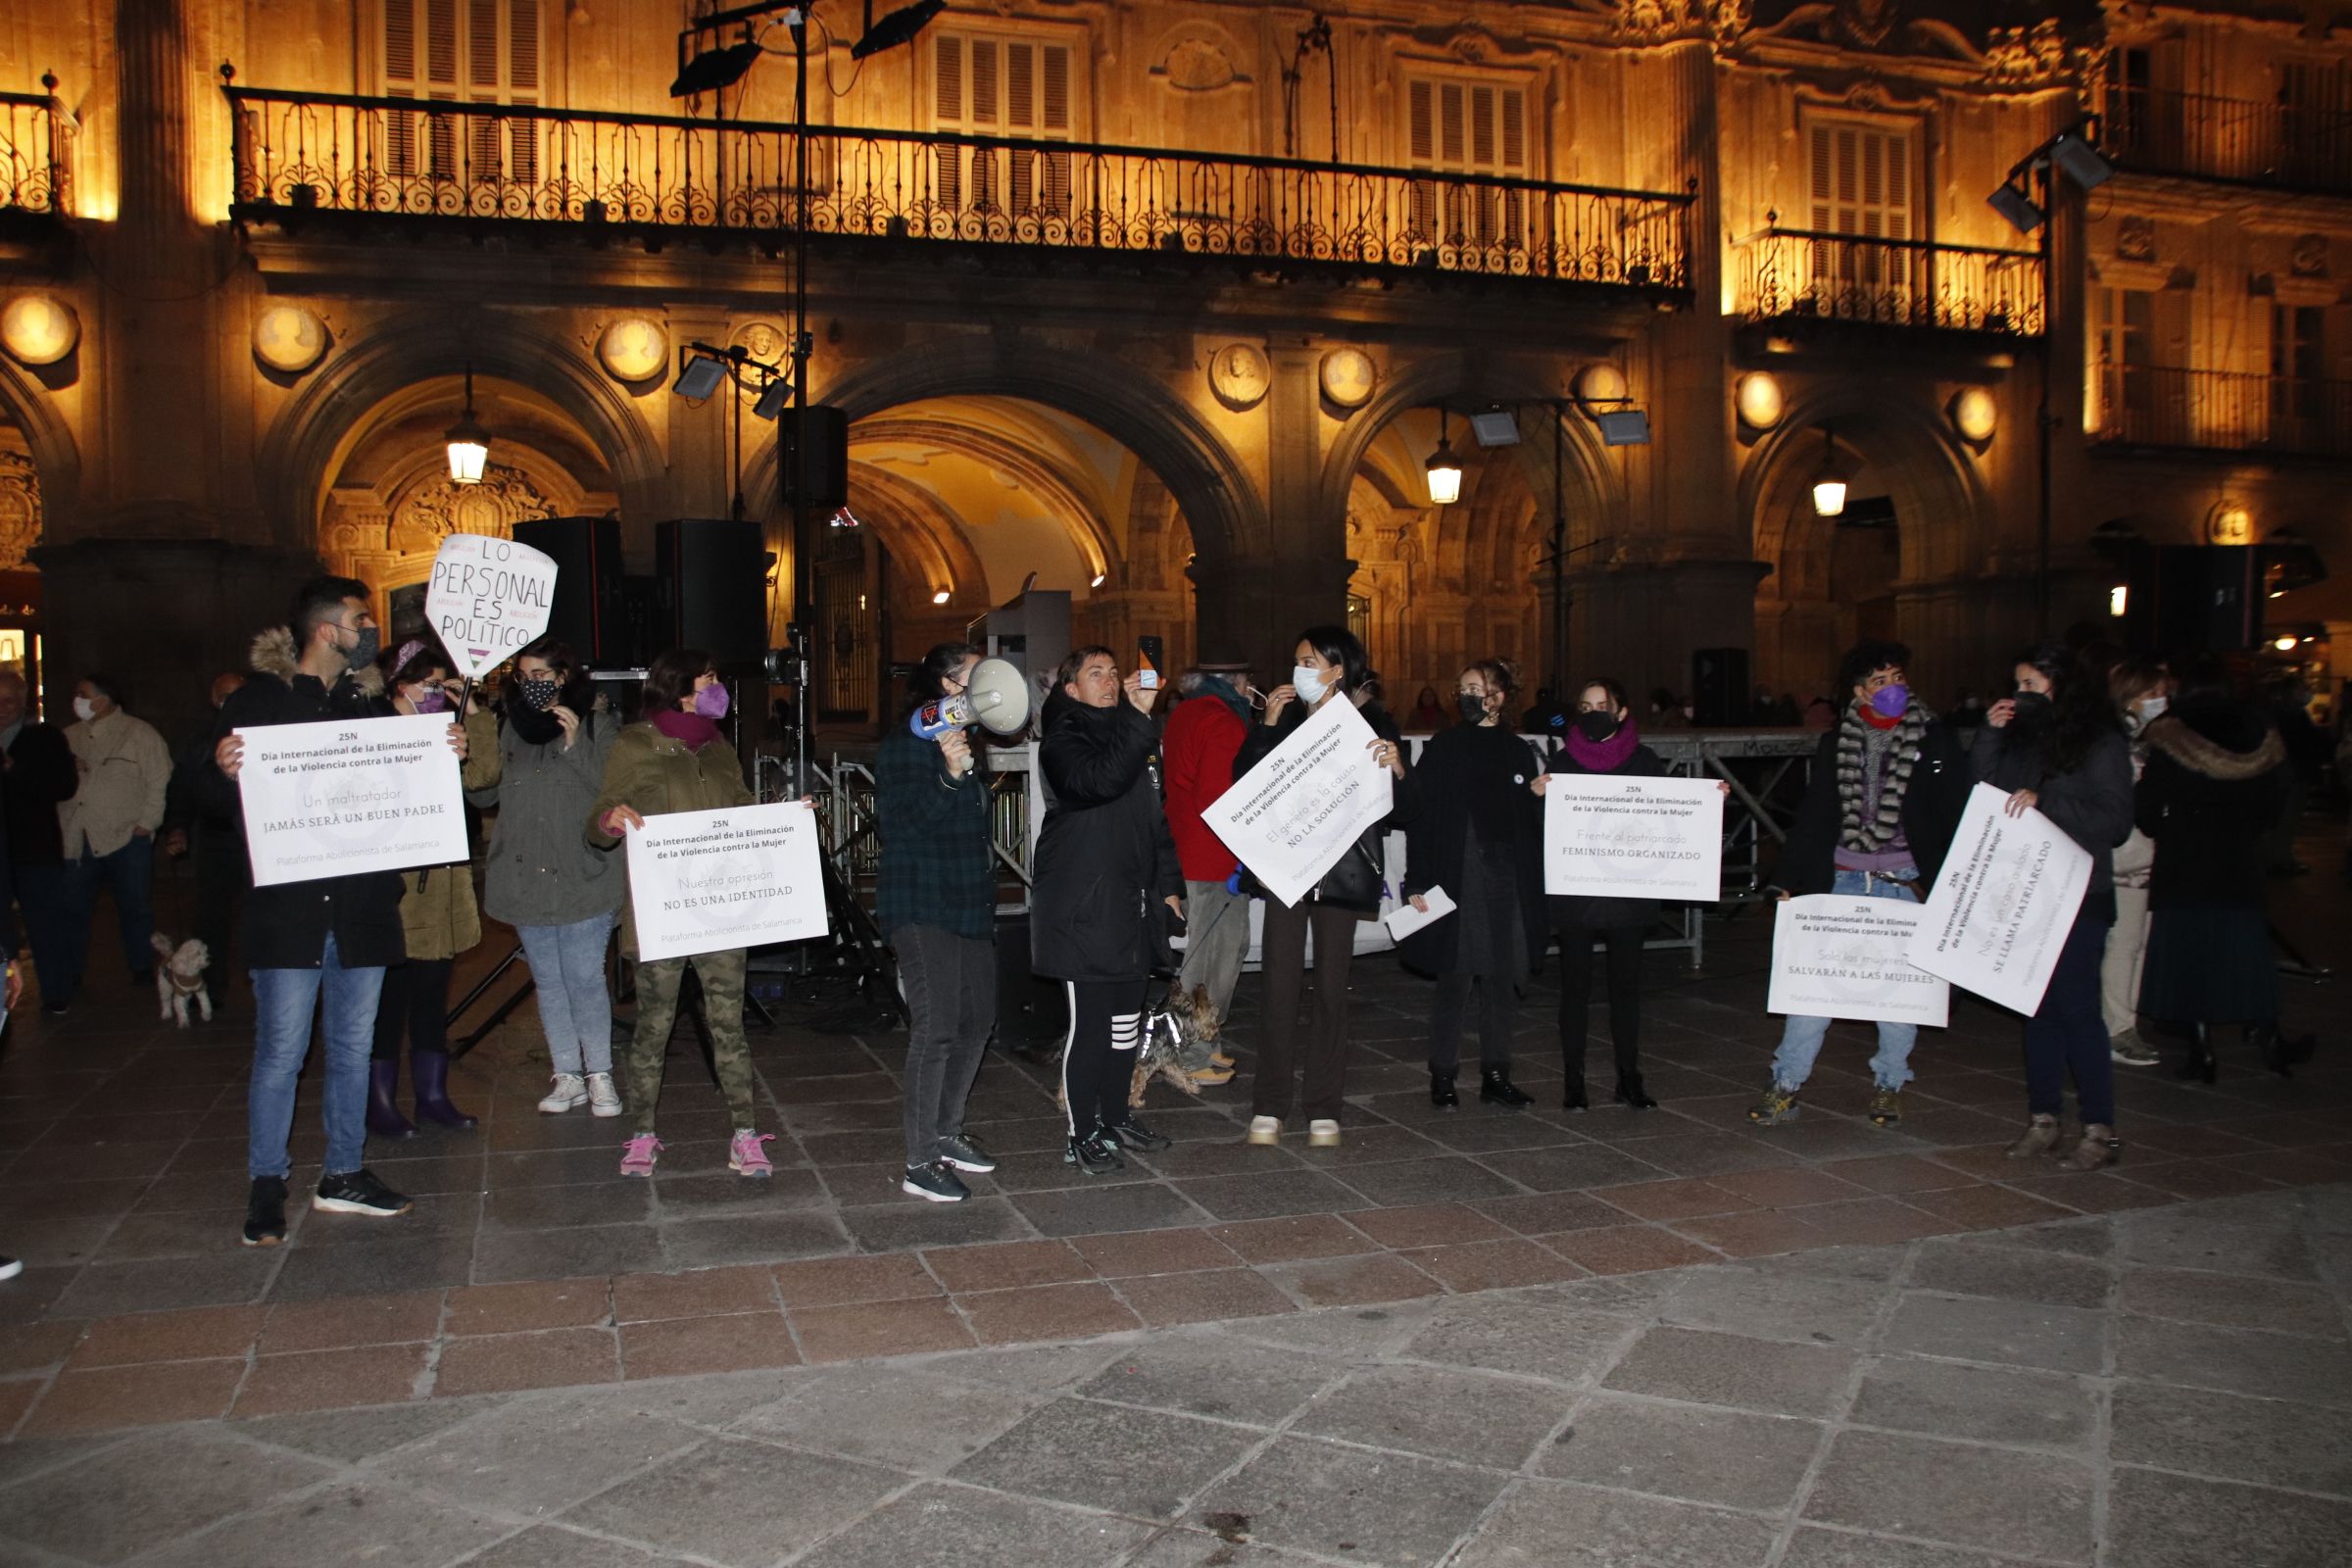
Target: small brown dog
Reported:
[(1171, 1024)]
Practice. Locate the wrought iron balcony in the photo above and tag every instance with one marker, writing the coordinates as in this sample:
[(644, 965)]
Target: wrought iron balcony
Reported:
[(306, 154), (1800, 274), (2283, 146), (33, 177), (2221, 411)]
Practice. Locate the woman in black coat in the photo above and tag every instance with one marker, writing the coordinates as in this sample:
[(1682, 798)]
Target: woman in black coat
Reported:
[(1105, 883), (1330, 668), (2216, 784), (1487, 854)]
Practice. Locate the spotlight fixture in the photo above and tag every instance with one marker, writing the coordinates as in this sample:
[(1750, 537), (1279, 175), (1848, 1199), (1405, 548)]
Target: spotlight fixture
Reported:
[(2015, 205), (1444, 470), (1101, 577), (714, 68), (2081, 162), (1829, 486), (773, 399), (1496, 428), (898, 27), (468, 442), (699, 376), (941, 596), (1623, 427)]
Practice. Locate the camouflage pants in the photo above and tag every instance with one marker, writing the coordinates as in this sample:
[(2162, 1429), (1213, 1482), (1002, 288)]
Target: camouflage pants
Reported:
[(657, 985)]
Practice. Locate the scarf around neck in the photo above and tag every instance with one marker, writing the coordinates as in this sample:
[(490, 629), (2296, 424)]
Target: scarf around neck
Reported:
[(1604, 756), (1870, 824), (692, 728)]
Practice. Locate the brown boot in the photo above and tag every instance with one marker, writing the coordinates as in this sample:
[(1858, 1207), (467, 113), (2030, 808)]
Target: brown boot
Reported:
[(2041, 1137), (2099, 1146)]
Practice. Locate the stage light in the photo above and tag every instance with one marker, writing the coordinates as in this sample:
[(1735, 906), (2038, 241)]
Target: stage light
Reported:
[(2081, 162), (1101, 577), (1496, 428), (1444, 470), (699, 378), (468, 442), (712, 69), (2016, 206), (773, 399), (1623, 427), (941, 596), (898, 27)]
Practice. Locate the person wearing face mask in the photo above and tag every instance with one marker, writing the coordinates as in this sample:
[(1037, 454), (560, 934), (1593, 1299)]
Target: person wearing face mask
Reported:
[(438, 917), (1203, 735), (109, 828), (1487, 855), (558, 894), (319, 946), (676, 758), (2141, 691), (1327, 665), (1889, 785), (2057, 746)]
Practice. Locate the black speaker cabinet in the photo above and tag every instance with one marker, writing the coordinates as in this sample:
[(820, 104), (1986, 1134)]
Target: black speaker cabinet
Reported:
[(712, 574), (588, 609), (815, 467), (2208, 597), (1719, 687)]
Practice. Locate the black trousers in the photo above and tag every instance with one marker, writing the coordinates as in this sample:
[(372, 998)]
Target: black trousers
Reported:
[(951, 986), (1106, 1024), (415, 1003), (221, 876), (1498, 1006), (1624, 944), (1323, 1062)]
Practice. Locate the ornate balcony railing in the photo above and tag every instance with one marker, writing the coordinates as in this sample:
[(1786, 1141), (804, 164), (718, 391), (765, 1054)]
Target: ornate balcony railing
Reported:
[(1800, 273), (2221, 411), (2281, 145), (310, 154), (33, 177)]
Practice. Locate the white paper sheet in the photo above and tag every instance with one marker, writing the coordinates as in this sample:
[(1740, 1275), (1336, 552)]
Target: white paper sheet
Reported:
[(343, 796), (1835, 956), (1289, 818), (737, 877), (1613, 837), (2003, 903), (1403, 920)]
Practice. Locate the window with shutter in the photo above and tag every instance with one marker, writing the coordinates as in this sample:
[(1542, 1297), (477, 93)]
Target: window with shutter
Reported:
[(1471, 128), (1861, 183), (2126, 363), (1020, 88), (468, 51)]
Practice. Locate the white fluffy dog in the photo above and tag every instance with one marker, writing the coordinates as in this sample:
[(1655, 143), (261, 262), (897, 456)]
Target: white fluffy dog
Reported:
[(179, 979)]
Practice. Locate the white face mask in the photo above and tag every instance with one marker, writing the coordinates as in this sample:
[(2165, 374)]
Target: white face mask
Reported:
[(1309, 685), (84, 709), (2152, 709)]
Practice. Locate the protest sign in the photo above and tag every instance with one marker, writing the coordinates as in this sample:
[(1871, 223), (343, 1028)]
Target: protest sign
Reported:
[(739, 876), (1289, 818), (1613, 837), (2003, 902), (347, 795), (488, 599), (1835, 956)]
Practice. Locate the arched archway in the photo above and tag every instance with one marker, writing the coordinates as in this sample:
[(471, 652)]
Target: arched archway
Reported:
[(49, 446)]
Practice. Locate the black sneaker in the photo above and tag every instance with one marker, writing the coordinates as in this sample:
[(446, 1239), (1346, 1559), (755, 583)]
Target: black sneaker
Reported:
[(961, 1152), (266, 1212), (934, 1182), (357, 1192), (1133, 1134), (1094, 1155)]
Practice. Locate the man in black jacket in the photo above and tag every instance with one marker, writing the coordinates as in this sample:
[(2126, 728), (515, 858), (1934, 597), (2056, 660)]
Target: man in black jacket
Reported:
[(39, 775), (327, 940), (1890, 783), (195, 825)]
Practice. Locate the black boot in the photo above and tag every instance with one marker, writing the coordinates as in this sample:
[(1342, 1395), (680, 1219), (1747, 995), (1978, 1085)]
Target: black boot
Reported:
[(2200, 1064), (1442, 1093), (384, 1119), (429, 1070), (1495, 1087), (1631, 1093), (2272, 1047), (1574, 1097)]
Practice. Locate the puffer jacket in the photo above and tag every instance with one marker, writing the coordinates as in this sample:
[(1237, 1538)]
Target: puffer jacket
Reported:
[(656, 775), (538, 871), (2215, 785), (1104, 860), (438, 915)]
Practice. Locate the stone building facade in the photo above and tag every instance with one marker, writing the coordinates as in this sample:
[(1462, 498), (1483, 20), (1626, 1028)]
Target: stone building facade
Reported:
[(1169, 303)]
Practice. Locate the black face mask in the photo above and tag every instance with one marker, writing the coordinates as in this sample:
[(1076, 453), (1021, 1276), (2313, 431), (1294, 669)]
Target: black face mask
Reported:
[(1473, 709), (1596, 727), (2033, 708)]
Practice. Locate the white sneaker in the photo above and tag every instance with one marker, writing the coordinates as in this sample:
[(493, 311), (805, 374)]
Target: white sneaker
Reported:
[(1322, 1134), (1265, 1129), (603, 1098), (569, 1090)]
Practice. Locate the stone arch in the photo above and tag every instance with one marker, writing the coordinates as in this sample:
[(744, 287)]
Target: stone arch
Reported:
[(300, 449), (920, 533), (1040, 478), (56, 459)]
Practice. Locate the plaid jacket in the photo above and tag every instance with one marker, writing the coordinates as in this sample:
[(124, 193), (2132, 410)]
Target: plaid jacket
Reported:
[(938, 869)]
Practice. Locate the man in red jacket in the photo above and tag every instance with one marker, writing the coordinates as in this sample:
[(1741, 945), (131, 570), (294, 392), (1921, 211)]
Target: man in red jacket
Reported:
[(1203, 733)]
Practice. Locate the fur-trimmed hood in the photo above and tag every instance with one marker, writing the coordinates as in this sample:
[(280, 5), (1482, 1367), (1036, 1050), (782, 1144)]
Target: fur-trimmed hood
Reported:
[(2203, 753), (273, 655)]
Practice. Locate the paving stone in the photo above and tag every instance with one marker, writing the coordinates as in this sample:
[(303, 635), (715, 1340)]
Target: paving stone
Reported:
[(351, 1435), (2032, 1503), (1210, 1375), (1553, 1524), (2168, 1521), (1289, 1239), (2233, 1301), (1265, 1194), (1528, 1335), (331, 1380), (953, 1525), (2269, 1442), (1969, 1268), (907, 1419), (105, 1290), (1453, 1180), (1201, 1549), (551, 1452), (1044, 1312), (1815, 1548), (880, 1328), (1878, 1263), (2196, 1237), (1172, 1250), (330, 1526), (749, 1238), (1040, 1369), (2276, 1366), (1776, 1305), (1467, 1417), (908, 1224), (1387, 1510), (198, 1332), (554, 1546), (1211, 1295), (1353, 1281), (1142, 1463), (409, 1317), (527, 1304), (2062, 1338), (735, 1501), (1701, 1454), (1627, 1249), (1947, 1399), (1707, 1368), (1582, 1165), (110, 1397), (680, 1346), (138, 1496), (501, 1363), (569, 1254)]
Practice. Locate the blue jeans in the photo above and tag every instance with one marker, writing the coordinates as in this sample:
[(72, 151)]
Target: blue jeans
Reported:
[(129, 874), (567, 971), (283, 1000), (1800, 1039)]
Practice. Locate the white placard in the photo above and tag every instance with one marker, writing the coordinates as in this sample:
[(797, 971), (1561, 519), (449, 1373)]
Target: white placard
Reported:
[(1835, 956), (740, 876), (488, 599), (2003, 902), (1403, 920), (345, 796), (1289, 818), (1611, 836)]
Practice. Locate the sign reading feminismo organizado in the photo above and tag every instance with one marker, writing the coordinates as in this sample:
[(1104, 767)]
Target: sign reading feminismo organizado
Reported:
[(342, 798), (1834, 955), (1611, 836), (736, 877), (2003, 902), (1289, 818), (488, 599)]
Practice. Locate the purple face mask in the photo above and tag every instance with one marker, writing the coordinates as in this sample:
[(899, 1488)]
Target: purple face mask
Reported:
[(432, 702), (712, 700), (1891, 702)]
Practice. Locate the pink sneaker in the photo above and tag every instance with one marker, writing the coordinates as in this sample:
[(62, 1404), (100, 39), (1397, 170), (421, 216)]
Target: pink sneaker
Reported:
[(745, 1155), (638, 1159)]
